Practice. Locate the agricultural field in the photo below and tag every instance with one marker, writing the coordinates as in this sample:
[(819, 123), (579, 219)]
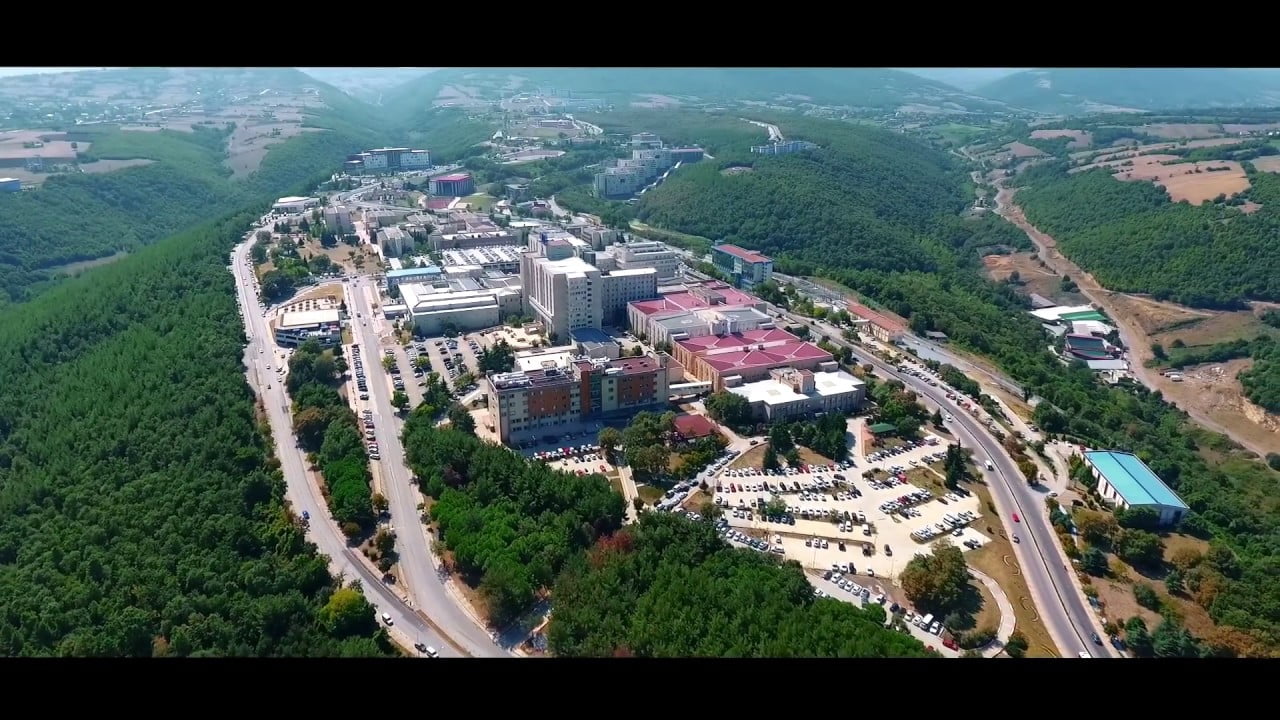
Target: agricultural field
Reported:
[(1267, 163), (1079, 138), (1193, 182), (1182, 131)]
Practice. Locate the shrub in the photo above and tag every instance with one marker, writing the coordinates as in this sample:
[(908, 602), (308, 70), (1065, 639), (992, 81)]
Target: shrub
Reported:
[(1146, 596)]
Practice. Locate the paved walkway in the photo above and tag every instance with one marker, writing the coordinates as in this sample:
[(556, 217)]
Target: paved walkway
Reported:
[(1007, 619)]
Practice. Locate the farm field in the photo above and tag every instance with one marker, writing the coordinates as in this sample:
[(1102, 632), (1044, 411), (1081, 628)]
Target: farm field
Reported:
[(1181, 131), (1079, 138), (1193, 182), (1267, 163)]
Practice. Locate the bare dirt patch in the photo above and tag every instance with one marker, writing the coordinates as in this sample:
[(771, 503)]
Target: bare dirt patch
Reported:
[(736, 170), (1267, 163), (1031, 277), (104, 166), (1181, 131), (754, 457), (1200, 187), (1079, 138), (1023, 150), (249, 144)]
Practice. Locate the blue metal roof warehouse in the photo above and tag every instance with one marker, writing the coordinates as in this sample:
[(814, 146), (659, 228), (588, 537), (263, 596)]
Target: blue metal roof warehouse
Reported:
[(1134, 484)]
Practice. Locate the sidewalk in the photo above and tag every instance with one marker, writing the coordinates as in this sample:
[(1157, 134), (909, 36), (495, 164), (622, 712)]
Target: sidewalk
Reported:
[(1007, 619)]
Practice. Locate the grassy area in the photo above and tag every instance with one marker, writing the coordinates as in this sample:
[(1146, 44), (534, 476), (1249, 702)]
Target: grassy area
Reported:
[(959, 134), (927, 480), (988, 614), (615, 481), (996, 559), (650, 494), (480, 202), (1115, 592), (754, 458)]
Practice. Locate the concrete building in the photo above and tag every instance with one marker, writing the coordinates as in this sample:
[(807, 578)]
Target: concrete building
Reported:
[(295, 204), (882, 327), (564, 390), (396, 278), (338, 219), (647, 254), (687, 155), (295, 328), (746, 267), (462, 304), (593, 343), (10, 184), (645, 140), (566, 292), (599, 237), (783, 148), (504, 258), (394, 241), (789, 393), (465, 240), (452, 185), (387, 160), (731, 360), (643, 317), (1127, 482)]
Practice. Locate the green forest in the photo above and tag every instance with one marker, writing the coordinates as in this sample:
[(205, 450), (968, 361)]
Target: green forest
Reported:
[(1131, 238), (668, 587), (83, 217), (511, 524), (139, 513), (1235, 502)]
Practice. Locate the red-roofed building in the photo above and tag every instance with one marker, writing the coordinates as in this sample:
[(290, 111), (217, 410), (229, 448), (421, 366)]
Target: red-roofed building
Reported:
[(644, 316), (883, 327), (746, 266), (692, 428), (452, 185), (686, 352), (733, 366)]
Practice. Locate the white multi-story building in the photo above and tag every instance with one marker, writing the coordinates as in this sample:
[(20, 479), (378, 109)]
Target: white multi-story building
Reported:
[(566, 292), (338, 219), (460, 303), (394, 241), (791, 393), (647, 253), (295, 204), (296, 328)]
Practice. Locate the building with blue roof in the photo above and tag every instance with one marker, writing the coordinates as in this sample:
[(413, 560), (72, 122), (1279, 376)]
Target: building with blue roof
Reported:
[(396, 278), (1127, 482)]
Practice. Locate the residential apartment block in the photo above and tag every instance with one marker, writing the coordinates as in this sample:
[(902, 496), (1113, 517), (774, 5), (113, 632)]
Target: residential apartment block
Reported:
[(565, 390), (783, 148)]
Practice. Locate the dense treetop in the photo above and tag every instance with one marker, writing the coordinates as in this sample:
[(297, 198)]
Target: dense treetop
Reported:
[(1133, 239), (668, 587), (138, 512)]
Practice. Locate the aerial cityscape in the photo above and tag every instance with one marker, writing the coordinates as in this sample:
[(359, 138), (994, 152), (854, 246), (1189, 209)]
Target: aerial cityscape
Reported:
[(451, 363)]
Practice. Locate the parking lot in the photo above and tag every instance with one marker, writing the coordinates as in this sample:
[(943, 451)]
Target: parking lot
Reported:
[(858, 526), (517, 338), (443, 353)]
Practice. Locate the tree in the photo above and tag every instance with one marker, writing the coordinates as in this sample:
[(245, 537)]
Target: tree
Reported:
[(400, 400), (729, 408), (1139, 518), (1094, 562), (609, 440), (1173, 581), (638, 503), (780, 438), (385, 542), (1017, 645), (1146, 596), (770, 460), (1139, 548), (954, 466), (793, 457), (908, 427), (310, 425), (1137, 637), (1157, 351), (461, 420), (380, 504), (936, 418), (348, 613), (936, 582), (1097, 528)]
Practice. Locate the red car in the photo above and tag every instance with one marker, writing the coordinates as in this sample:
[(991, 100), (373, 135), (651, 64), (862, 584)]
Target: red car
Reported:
[(1015, 518)]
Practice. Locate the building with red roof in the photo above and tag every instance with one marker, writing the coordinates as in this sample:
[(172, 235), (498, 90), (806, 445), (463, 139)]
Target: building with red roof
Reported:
[(883, 327), (728, 367), (452, 185), (747, 267), (691, 428), (675, 315)]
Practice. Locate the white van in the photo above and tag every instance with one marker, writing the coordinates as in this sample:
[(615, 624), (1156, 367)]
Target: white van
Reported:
[(866, 529), (923, 623)]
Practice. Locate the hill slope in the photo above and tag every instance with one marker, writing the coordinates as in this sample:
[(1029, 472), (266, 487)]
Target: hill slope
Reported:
[(870, 87), (1079, 90)]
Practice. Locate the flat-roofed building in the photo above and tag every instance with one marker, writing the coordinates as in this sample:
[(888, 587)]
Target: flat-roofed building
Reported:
[(395, 278), (338, 219), (460, 304), (647, 253), (505, 258), (394, 241), (466, 240), (747, 267), (295, 328), (644, 317), (564, 390), (566, 292), (790, 393), (1127, 482), (295, 204)]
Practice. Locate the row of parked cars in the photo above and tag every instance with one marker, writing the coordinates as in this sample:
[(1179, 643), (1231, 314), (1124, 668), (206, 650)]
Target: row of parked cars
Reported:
[(585, 452), (953, 523), (900, 449), (362, 381)]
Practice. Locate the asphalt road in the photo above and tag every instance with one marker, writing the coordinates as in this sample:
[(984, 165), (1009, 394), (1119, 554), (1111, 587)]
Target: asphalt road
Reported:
[(1064, 613), (417, 567), (302, 494)]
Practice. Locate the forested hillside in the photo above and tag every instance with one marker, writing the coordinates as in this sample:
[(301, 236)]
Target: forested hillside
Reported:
[(668, 587), (1235, 504), (138, 513), (83, 217), (1133, 239), (1077, 90)]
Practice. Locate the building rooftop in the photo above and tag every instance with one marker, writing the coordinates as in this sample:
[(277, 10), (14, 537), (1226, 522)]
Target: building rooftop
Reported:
[(750, 256), (714, 344), (293, 199), (1132, 479), (591, 335), (531, 360), (1058, 311), (697, 298), (734, 361), (773, 392), (308, 317), (453, 177), (694, 426), (413, 272), (875, 318)]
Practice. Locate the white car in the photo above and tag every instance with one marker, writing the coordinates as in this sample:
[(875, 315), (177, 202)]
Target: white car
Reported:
[(386, 618)]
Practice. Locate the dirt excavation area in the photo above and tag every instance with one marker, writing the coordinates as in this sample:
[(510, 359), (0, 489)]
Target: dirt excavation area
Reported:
[(1211, 396)]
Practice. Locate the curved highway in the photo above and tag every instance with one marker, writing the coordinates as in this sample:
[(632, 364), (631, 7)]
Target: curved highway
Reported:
[(1065, 615)]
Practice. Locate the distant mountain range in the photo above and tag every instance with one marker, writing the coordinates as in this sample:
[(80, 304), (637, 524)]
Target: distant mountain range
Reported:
[(1082, 90)]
